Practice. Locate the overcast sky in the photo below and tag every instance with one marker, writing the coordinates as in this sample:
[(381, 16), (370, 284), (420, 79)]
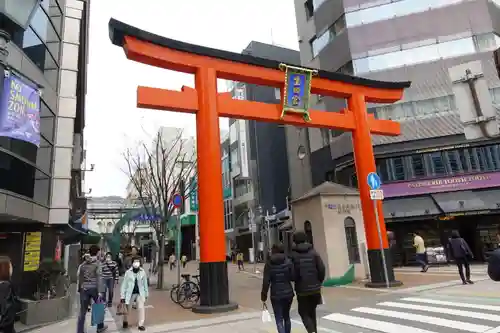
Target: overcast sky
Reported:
[(113, 123)]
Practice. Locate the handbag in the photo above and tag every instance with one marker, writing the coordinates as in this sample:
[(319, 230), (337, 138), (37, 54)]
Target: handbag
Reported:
[(97, 313)]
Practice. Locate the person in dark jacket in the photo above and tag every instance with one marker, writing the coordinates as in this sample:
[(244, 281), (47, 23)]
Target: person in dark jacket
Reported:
[(278, 273), (8, 300), (461, 253), (309, 274)]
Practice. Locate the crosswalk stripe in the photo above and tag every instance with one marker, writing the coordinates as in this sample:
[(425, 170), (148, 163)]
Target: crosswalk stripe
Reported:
[(459, 325), (455, 312), (455, 304), (376, 325)]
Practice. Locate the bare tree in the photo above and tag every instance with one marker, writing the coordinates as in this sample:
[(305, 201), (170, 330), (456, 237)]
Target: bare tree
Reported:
[(156, 173)]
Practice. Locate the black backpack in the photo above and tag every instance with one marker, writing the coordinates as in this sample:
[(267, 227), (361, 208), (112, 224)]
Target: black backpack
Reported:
[(494, 265)]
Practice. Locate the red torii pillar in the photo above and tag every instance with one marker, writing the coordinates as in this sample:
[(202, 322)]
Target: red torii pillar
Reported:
[(208, 65)]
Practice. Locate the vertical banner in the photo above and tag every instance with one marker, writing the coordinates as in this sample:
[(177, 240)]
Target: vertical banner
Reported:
[(297, 90), (20, 110), (193, 195)]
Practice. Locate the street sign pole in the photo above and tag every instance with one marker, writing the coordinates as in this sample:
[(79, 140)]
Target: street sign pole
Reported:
[(177, 202), (377, 194)]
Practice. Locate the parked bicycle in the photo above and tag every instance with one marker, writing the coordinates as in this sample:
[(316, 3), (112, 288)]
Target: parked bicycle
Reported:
[(188, 294)]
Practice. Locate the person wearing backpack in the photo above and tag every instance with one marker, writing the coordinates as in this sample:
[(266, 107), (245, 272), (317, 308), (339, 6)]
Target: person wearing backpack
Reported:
[(461, 253), (90, 286), (8, 299), (278, 274), (309, 274), (110, 275)]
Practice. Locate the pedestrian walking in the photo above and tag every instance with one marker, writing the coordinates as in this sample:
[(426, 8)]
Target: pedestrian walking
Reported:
[(171, 261), (420, 255), (239, 260), (110, 275), (461, 253), (135, 287), (309, 274), (9, 303), (184, 260), (278, 274), (90, 286)]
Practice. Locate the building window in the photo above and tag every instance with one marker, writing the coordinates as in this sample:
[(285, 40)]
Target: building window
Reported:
[(398, 168), (325, 136), (454, 163), (418, 166), (352, 241), (309, 7), (406, 56), (437, 164), (383, 170), (308, 232), (376, 12), (318, 43)]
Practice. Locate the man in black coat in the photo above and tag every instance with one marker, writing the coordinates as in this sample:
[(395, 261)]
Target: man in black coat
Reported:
[(309, 274)]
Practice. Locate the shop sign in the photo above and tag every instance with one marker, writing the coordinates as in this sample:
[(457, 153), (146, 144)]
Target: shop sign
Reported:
[(343, 208), (438, 185)]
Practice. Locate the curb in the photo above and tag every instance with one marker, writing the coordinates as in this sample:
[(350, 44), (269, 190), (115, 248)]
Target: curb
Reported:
[(200, 323)]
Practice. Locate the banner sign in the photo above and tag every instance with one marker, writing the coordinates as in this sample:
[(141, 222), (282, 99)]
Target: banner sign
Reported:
[(438, 185), (297, 90), (20, 110), (193, 194)]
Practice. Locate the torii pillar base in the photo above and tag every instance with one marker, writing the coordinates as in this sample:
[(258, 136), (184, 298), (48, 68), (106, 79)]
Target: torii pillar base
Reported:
[(377, 270), (214, 289)]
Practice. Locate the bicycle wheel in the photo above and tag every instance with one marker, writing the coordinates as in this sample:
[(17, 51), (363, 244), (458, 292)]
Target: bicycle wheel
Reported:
[(188, 294), (174, 295)]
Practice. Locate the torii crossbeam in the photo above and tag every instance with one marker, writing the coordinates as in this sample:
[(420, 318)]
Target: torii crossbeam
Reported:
[(208, 65)]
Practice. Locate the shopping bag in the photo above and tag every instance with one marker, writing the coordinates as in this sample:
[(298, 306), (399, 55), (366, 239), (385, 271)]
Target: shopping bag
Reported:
[(121, 309), (97, 313), (266, 316), (322, 300)]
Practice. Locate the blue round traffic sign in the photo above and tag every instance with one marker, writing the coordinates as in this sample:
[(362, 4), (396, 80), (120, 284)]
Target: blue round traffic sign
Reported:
[(177, 200), (373, 181)]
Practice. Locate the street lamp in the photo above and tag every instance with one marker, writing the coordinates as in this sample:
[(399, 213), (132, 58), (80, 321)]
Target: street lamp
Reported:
[(14, 15)]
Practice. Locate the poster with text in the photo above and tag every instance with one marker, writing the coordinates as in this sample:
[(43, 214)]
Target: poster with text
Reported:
[(20, 111)]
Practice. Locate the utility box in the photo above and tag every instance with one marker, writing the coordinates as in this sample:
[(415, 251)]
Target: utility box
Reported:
[(473, 100)]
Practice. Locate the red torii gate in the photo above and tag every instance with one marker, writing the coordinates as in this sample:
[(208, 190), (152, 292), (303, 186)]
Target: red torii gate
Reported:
[(208, 65)]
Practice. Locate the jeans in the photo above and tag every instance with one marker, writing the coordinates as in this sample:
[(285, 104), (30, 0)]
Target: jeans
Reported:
[(86, 296), (421, 259), (110, 288), (307, 311), (461, 263), (281, 308)]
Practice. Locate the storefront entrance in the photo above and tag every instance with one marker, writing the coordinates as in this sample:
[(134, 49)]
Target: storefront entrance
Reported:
[(479, 231)]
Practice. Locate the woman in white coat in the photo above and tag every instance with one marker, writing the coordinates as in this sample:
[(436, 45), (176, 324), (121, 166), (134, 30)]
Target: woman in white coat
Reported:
[(135, 288)]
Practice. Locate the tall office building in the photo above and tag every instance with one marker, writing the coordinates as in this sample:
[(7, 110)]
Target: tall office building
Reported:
[(258, 160), (40, 173), (418, 41)]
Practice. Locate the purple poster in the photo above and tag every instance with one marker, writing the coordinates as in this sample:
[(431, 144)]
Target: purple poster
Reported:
[(20, 111), (447, 184)]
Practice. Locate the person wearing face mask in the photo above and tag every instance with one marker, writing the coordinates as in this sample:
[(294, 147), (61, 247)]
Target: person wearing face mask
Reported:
[(110, 276), (135, 288), (8, 300)]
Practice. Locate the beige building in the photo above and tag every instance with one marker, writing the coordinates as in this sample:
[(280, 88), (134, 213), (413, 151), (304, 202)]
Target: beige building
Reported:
[(330, 215)]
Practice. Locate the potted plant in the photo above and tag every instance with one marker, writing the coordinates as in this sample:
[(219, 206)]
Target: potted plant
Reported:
[(50, 302)]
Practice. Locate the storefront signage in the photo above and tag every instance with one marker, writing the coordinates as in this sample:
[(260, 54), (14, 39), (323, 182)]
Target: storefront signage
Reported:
[(448, 184), (343, 208), (32, 247)]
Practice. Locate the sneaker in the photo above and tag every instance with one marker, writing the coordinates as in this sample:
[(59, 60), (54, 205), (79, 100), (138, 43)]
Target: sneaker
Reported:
[(103, 329), (464, 282), (141, 328), (125, 324), (470, 282)]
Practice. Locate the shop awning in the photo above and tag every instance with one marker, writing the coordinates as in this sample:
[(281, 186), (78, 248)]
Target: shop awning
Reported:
[(410, 207), (468, 201)]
